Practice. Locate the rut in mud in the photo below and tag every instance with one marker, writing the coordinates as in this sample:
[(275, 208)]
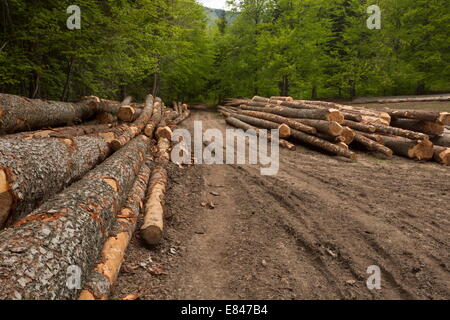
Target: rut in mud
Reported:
[(309, 232)]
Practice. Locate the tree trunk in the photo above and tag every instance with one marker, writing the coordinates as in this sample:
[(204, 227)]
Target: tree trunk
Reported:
[(155, 120), (324, 145), (359, 126), (372, 145), (423, 115), (400, 132), (426, 127), (182, 117), (34, 170), (42, 254), (128, 113), (152, 228), (23, 114), (420, 150), (372, 136), (284, 130), (348, 135), (282, 98), (106, 272), (136, 127), (65, 94), (279, 119), (442, 155), (245, 126), (443, 141), (331, 128)]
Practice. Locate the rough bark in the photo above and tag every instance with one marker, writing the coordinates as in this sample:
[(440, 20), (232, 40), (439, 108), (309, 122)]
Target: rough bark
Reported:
[(23, 114), (37, 169), (400, 132), (38, 256), (423, 115), (136, 127), (182, 117), (155, 120), (245, 126), (284, 130), (359, 126), (153, 226), (106, 271), (443, 141), (282, 98), (413, 149), (331, 128), (278, 119), (426, 127), (441, 155), (324, 145), (63, 132), (332, 139), (372, 145), (372, 136), (316, 114)]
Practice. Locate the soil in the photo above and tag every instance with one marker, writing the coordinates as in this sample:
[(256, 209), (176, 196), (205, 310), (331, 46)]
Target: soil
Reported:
[(309, 232)]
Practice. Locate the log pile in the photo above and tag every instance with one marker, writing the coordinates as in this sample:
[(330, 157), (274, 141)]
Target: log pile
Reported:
[(70, 196), (336, 128)]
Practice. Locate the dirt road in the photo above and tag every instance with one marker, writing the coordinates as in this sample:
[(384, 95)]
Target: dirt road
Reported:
[(309, 232)]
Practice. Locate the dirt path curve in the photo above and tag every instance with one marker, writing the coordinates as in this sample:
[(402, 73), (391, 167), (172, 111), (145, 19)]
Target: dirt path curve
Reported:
[(309, 232)]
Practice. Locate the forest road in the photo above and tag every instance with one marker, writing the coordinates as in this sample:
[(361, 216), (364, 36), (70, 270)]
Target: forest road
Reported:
[(309, 232)]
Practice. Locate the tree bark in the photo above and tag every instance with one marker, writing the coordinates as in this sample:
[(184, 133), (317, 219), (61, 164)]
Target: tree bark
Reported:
[(372, 145), (324, 145), (441, 155), (284, 130), (153, 226), (426, 127), (23, 114), (40, 254), (36, 169), (331, 128), (279, 119), (155, 120), (400, 132), (105, 273), (423, 115), (413, 149), (443, 141)]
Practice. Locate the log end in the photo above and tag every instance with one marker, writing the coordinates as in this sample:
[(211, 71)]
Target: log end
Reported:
[(6, 198), (442, 155), (126, 113), (152, 235), (336, 116), (164, 132), (444, 118), (285, 131), (423, 150), (116, 145), (335, 129)]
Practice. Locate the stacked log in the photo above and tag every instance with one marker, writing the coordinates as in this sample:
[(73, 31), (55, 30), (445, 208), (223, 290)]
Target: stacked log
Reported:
[(335, 128)]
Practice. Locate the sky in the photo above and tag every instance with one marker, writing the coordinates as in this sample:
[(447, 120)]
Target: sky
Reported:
[(217, 4)]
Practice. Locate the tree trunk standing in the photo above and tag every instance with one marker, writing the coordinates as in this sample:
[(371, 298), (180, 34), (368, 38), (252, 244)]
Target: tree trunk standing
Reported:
[(314, 92), (65, 94), (106, 272), (155, 84), (43, 255), (37, 169), (22, 114), (155, 119), (284, 86)]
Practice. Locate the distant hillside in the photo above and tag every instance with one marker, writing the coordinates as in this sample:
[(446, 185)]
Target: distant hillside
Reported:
[(214, 14)]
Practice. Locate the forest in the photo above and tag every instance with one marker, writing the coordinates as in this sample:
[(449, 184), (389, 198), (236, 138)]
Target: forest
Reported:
[(309, 49)]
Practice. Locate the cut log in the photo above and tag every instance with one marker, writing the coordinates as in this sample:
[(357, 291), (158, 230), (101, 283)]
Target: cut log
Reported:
[(348, 135), (332, 139), (163, 154), (249, 128), (278, 119), (331, 128), (359, 126), (34, 170), (155, 120), (136, 127), (164, 132), (282, 98), (106, 272), (284, 130), (44, 255), (316, 114), (387, 130), (441, 155), (106, 118), (153, 226), (423, 115), (372, 145), (426, 127), (413, 149), (182, 117), (372, 136), (128, 113), (443, 141), (324, 145), (22, 114)]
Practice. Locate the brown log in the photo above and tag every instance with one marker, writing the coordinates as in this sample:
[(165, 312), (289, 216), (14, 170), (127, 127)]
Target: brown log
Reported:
[(315, 114), (426, 127), (128, 113), (153, 226), (105, 106), (105, 273), (359, 126), (182, 117), (106, 118), (372, 136), (164, 132), (324, 145), (155, 119), (34, 170), (331, 128), (136, 127), (249, 128), (22, 114), (277, 119), (348, 135), (443, 141), (423, 115), (372, 145), (441, 155), (284, 130), (163, 153), (332, 139), (413, 149), (289, 99), (40, 254), (387, 130)]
